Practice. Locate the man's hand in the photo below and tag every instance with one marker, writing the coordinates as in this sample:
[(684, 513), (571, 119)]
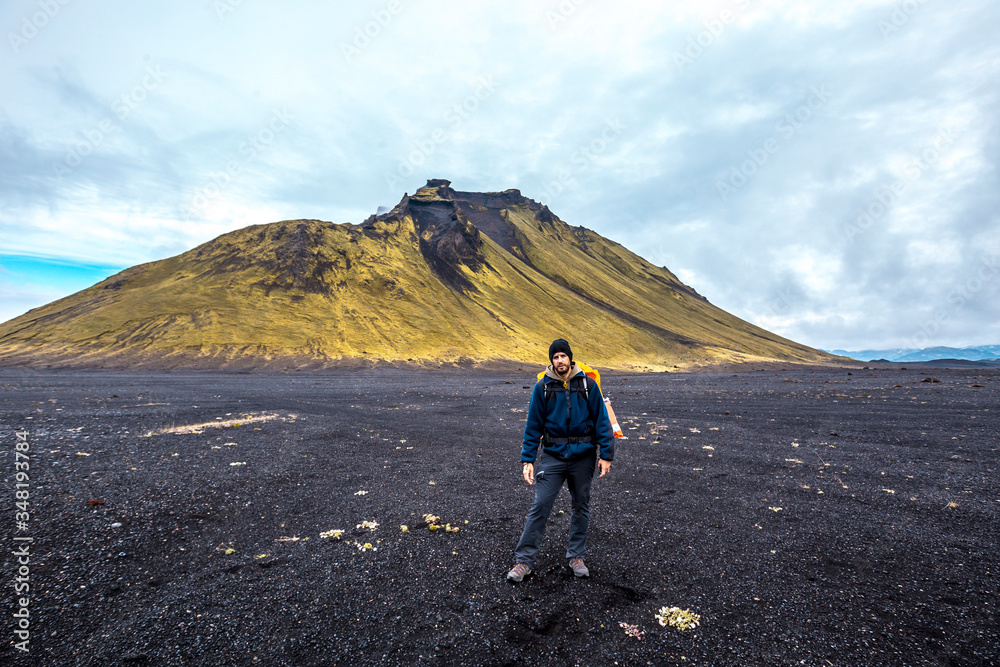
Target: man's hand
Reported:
[(604, 467), (529, 473)]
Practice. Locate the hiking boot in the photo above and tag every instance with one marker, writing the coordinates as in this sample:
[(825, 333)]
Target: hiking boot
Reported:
[(579, 569), (518, 572)]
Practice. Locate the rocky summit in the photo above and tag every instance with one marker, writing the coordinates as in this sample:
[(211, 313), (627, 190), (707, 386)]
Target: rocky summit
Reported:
[(444, 277)]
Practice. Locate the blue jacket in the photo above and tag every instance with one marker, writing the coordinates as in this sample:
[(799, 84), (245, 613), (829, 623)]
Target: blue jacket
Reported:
[(562, 420)]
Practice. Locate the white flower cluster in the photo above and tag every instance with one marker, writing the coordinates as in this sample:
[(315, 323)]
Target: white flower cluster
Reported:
[(675, 617)]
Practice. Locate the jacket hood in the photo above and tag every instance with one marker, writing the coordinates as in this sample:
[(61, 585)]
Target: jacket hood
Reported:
[(574, 370)]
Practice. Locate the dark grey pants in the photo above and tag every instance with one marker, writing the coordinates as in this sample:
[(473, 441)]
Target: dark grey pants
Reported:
[(550, 473)]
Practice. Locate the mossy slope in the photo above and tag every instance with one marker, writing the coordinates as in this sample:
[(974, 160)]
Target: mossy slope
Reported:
[(444, 277)]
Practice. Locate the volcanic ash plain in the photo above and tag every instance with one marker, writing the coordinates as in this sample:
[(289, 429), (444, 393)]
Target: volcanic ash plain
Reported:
[(807, 516)]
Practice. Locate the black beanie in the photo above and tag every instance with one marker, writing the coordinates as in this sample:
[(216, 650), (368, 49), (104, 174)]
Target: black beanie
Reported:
[(560, 345)]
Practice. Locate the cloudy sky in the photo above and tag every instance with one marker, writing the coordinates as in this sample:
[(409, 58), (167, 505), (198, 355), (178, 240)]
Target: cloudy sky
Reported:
[(825, 170)]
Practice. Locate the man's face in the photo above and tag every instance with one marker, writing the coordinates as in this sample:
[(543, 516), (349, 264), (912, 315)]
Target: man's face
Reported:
[(560, 362)]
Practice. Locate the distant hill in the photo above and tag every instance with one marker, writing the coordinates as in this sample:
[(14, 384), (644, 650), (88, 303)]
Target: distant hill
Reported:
[(975, 353), (958, 363), (443, 277)]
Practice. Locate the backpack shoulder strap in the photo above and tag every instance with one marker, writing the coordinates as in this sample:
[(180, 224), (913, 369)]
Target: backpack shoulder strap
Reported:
[(548, 389), (578, 383)]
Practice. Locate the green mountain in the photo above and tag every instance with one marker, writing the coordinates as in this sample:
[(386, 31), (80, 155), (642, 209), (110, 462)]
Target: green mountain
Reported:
[(444, 277)]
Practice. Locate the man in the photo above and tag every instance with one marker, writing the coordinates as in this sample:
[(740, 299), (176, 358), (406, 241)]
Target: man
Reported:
[(567, 416)]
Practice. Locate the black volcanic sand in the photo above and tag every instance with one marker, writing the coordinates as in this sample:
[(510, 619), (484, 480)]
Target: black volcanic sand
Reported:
[(812, 517)]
